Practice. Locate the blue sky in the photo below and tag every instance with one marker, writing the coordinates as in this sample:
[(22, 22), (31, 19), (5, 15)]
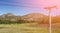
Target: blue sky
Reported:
[(22, 7)]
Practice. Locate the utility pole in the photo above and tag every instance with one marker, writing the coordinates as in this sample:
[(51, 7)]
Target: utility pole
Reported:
[(49, 10)]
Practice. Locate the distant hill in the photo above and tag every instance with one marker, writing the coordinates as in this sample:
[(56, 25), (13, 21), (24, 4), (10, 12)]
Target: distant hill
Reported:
[(56, 19), (8, 16), (36, 17), (31, 17)]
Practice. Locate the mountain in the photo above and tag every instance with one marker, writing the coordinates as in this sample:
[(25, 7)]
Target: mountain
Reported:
[(33, 17), (38, 17), (56, 19), (8, 16)]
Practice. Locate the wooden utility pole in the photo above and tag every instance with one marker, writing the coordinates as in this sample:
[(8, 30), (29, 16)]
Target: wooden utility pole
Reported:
[(49, 10)]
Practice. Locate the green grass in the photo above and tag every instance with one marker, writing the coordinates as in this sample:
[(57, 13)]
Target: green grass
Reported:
[(21, 28)]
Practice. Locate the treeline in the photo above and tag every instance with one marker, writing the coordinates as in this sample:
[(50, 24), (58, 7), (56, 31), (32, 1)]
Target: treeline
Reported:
[(11, 22), (45, 21), (15, 22)]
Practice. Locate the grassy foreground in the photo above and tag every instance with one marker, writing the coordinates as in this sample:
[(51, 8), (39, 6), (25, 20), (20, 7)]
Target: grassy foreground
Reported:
[(56, 28), (21, 28)]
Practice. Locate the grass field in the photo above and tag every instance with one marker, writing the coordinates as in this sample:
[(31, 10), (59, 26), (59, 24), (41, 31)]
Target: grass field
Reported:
[(22, 28), (28, 28), (56, 28)]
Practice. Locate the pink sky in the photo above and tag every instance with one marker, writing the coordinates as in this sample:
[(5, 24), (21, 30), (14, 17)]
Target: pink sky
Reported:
[(23, 7), (44, 3)]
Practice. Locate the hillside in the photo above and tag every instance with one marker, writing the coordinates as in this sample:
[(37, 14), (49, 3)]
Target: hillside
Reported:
[(56, 19), (38, 17), (32, 17)]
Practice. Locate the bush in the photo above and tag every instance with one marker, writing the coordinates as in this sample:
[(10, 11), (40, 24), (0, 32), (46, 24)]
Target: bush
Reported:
[(22, 21), (7, 22)]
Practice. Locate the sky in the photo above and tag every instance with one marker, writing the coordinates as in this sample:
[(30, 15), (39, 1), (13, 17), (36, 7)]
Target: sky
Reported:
[(23, 7)]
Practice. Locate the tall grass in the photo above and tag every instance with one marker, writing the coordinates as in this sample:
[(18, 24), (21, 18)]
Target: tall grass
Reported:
[(21, 28)]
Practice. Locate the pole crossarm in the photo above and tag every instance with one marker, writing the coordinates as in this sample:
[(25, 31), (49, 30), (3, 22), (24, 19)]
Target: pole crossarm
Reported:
[(50, 7)]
